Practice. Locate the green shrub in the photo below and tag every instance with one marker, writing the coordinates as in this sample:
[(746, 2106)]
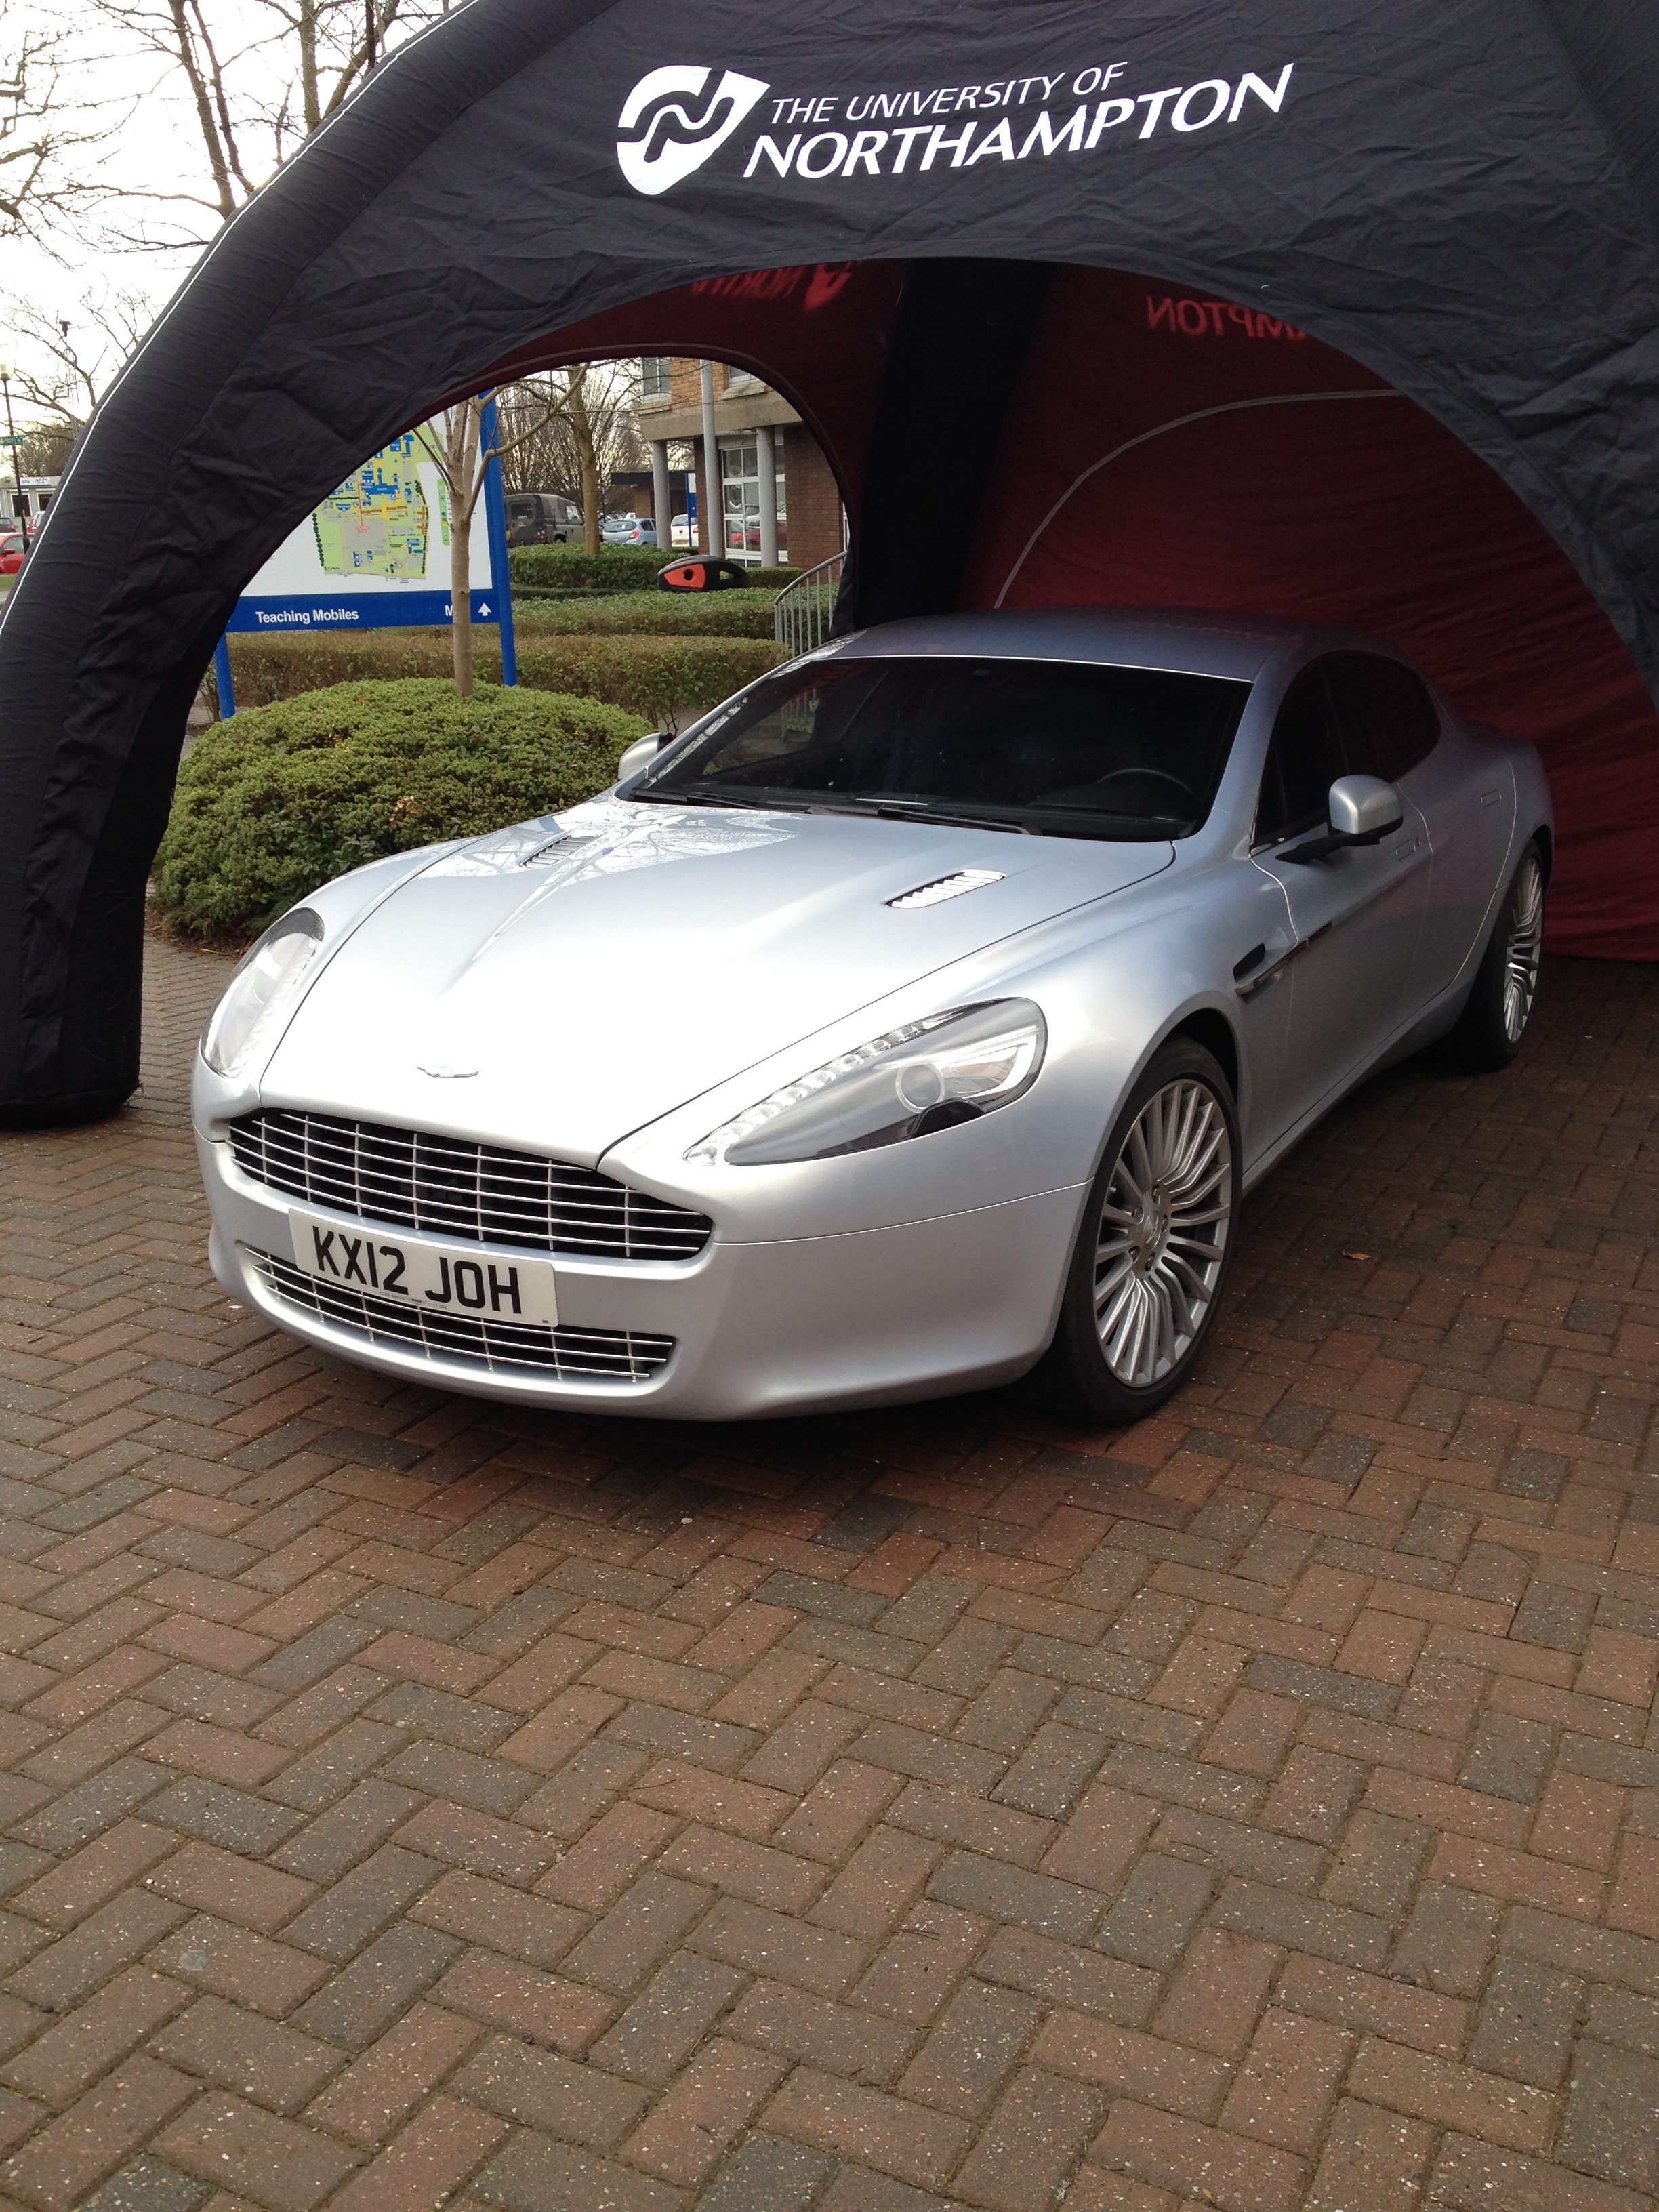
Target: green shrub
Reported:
[(668, 679), (647, 614), (278, 800), (614, 569)]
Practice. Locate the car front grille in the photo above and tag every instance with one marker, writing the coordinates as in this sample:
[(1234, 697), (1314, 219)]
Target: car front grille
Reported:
[(564, 1355), (453, 1188)]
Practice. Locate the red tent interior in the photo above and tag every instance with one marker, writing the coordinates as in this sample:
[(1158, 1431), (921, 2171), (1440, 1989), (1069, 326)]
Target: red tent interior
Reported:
[(1164, 448)]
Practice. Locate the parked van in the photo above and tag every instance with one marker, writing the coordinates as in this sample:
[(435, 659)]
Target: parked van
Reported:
[(542, 517)]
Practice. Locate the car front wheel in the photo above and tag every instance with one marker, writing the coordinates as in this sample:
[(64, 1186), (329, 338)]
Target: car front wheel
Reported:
[(1152, 1252), (1492, 1026)]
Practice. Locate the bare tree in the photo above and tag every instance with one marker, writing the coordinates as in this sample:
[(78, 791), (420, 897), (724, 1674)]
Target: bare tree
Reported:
[(45, 177), (462, 468), (452, 441), (259, 77), (581, 432), (587, 432), (67, 361)]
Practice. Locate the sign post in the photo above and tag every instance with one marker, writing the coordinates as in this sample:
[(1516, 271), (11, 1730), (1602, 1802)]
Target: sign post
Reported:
[(223, 684), (496, 529)]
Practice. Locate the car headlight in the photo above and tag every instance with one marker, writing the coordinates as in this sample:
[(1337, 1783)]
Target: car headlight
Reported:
[(921, 1076), (261, 990)]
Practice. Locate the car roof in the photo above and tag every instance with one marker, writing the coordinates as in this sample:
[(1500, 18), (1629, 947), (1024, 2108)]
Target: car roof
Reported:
[(1194, 641)]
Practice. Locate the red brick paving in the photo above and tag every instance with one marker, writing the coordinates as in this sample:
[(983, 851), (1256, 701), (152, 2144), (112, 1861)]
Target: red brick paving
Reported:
[(407, 1800)]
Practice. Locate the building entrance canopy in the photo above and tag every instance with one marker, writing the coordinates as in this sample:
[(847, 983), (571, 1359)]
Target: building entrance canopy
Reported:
[(1307, 309)]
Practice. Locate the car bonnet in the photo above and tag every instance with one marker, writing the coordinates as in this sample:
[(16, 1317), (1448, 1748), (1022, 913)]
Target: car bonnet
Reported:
[(558, 985)]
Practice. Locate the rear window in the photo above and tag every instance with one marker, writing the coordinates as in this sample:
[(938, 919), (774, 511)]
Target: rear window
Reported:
[(1057, 747), (1388, 722)]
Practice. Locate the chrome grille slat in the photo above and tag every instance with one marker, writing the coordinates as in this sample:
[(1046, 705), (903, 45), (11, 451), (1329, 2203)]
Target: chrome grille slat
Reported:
[(413, 1179), (565, 1354)]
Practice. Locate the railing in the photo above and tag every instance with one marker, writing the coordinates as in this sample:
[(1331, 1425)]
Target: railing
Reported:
[(802, 611)]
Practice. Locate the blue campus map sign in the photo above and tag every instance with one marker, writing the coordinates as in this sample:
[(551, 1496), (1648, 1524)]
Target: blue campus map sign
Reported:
[(376, 553), (376, 556)]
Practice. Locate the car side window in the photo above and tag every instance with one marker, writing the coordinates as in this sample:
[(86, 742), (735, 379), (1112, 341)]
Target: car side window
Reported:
[(1304, 760), (1387, 719)]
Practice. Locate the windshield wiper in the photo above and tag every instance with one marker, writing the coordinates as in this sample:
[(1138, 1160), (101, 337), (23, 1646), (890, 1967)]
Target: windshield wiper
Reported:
[(892, 808), (722, 799)]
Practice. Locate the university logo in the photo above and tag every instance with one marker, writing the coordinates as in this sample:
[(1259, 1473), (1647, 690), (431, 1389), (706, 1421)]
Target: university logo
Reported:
[(660, 141)]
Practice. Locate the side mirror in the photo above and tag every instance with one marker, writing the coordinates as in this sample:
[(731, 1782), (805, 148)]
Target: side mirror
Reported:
[(640, 755), (1361, 809)]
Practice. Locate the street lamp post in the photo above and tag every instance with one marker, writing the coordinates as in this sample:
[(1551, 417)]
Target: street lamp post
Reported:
[(11, 440)]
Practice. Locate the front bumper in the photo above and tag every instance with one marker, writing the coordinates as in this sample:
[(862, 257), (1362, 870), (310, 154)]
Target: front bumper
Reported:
[(744, 1331)]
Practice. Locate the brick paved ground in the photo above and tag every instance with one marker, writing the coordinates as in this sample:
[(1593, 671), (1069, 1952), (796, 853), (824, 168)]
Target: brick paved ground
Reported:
[(406, 1799)]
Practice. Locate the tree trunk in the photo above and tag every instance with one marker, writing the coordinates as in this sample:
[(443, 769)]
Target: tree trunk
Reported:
[(460, 600), (461, 454), (582, 431), (309, 103)]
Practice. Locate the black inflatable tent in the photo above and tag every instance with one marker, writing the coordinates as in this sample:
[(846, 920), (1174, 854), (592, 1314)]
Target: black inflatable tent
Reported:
[(1313, 308)]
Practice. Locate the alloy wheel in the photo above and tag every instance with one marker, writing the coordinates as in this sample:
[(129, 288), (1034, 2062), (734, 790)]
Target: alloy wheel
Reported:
[(1162, 1236), (1524, 949)]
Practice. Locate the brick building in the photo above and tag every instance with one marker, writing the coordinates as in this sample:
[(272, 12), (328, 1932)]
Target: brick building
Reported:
[(772, 475)]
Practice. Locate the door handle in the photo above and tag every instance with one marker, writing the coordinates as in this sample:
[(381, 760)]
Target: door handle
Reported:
[(1255, 976)]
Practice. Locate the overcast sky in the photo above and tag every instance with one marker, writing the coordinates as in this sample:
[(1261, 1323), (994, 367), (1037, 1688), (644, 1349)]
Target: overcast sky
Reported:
[(151, 157), (149, 148)]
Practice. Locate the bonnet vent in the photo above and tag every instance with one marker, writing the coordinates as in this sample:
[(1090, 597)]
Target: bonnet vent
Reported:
[(947, 887)]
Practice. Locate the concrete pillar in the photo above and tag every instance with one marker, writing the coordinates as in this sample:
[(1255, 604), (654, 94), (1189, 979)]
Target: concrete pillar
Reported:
[(711, 525), (662, 504), (769, 495)]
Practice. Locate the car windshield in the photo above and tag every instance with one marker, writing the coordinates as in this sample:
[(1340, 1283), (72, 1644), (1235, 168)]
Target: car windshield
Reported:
[(1062, 749)]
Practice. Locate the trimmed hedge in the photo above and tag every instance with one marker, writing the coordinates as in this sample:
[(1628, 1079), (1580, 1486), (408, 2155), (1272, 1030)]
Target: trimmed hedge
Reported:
[(613, 568), (668, 679), (649, 614), (278, 800)]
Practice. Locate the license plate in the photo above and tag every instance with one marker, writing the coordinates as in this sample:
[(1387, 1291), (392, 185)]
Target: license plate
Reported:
[(440, 1278)]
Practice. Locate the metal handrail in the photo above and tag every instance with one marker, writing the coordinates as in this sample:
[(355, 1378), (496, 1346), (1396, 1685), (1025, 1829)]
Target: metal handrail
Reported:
[(802, 611)]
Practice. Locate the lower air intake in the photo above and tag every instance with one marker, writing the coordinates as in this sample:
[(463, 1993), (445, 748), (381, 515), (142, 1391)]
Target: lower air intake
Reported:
[(563, 1355)]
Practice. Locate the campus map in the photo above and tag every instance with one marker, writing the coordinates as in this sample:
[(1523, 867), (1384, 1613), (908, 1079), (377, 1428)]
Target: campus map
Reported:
[(377, 523)]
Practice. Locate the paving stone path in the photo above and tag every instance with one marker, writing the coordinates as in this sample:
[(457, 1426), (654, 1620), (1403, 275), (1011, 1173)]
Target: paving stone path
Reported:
[(408, 1800)]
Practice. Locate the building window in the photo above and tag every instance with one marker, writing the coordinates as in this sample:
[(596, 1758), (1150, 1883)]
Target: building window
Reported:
[(654, 380), (740, 490)]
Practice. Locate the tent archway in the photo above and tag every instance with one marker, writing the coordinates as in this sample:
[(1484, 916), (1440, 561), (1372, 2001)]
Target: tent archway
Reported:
[(1473, 221)]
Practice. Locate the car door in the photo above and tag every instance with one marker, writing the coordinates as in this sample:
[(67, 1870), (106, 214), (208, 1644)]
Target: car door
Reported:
[(1358, 913), (1465, 790)]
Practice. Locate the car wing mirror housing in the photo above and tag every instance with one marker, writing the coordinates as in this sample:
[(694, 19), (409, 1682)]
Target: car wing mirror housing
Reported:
[(1360, 810), (640, 756)]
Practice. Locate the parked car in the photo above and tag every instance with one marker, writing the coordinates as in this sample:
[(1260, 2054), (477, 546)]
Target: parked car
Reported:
[(628, 529), (542, 517), (915, 1022), (13, 546), (679, 531)]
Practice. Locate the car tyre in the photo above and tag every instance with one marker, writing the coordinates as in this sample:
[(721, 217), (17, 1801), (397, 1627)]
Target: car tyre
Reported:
[(1152, 1255), (1492, 1025)]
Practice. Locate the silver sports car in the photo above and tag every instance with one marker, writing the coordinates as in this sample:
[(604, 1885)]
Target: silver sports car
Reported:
[(915, 1022)]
